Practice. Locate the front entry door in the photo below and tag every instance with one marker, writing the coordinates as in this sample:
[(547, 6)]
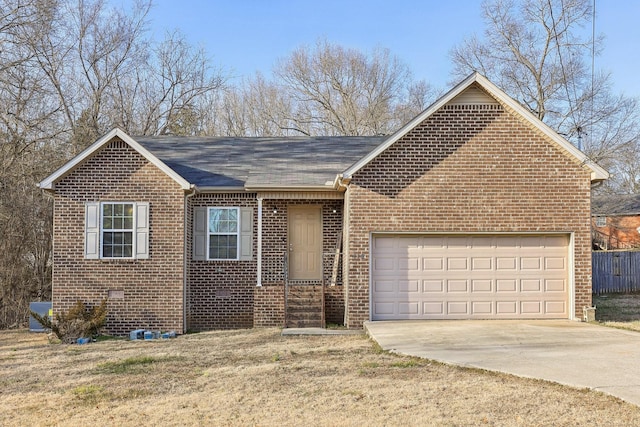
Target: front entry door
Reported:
[(305, 242)]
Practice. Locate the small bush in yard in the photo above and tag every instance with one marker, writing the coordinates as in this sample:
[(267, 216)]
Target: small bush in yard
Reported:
[(77, 322)]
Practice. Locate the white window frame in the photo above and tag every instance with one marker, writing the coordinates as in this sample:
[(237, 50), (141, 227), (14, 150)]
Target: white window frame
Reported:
[(131, 230), (236, 233)]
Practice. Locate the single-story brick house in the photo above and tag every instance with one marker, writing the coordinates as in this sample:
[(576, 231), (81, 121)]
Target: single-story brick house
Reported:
[(474, 209), (615, 222)]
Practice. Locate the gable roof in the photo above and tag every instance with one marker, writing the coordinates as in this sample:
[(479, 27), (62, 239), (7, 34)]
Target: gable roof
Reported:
[(259, 163), (597, 173), (220, 163), (49, 182), (616, 205)]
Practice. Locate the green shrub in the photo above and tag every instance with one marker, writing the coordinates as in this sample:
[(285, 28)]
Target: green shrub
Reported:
[(77, 322)]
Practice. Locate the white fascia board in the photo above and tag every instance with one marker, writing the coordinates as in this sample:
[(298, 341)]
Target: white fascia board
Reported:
[(48, 183), (597, 173)]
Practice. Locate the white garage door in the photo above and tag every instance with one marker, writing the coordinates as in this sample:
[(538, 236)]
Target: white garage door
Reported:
[(470, 277)]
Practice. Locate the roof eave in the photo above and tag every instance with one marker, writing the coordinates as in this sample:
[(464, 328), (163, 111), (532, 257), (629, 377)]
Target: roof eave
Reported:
[(49, 182)]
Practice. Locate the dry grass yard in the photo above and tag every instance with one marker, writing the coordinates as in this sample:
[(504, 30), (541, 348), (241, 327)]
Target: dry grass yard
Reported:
[(259, 378)]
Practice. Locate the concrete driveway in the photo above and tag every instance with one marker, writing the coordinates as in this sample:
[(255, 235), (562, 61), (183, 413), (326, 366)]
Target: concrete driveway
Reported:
[(563, 351)]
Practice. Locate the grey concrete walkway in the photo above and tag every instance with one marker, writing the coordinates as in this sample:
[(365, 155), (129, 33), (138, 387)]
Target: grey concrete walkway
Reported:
[(567, 352)]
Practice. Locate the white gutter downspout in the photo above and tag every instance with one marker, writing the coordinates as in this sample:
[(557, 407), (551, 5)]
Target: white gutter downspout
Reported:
[(186, 258), (259, 260)]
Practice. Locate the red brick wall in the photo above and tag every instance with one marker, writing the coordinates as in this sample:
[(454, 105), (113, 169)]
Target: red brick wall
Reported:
[(621, 232), (220, 294), (334, 304), (468, 169), (269, 306), (153, 288)]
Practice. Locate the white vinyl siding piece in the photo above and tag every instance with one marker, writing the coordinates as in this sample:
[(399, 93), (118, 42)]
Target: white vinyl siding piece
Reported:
[(92, 230), (200, 234)]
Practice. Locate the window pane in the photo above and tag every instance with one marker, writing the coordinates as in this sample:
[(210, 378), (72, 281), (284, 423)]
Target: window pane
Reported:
[(233, 247), (107, 238), (214, 218), (128, 210), (128, 223), (107, 210), (117, 210), (107, 252), (128, 238), (128, 251)]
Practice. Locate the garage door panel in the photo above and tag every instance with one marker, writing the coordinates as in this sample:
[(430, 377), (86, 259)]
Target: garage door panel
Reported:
[(440, 277), (457, 264), (510, 263), (384, 286), (481, 285), (457, 286), (433, 286), (408, 286), (510, 285), (433, 264), (555, 285), (384, 264), (509, 308), (482, 308), (555, 307), (458, 308), (555, 263), (408, 308), (531, 307), (384, 309), (433, 308), (531, 263), (482, 264), (531, 285)]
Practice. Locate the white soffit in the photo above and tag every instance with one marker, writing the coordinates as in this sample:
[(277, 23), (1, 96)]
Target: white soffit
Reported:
[(49, 182), (462, 93)]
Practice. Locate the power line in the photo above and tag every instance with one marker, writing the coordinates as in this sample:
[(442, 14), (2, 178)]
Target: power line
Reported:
[(564, 74)]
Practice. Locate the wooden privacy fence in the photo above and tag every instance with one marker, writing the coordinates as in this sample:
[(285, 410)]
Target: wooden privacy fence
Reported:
[(615, 271)]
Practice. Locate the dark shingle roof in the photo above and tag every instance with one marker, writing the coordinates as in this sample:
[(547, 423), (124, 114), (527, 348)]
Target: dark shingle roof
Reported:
[(612, 205), (256, 162)]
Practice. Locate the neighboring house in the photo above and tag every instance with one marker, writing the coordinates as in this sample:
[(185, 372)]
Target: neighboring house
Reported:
[(615, 221), (474, 209)]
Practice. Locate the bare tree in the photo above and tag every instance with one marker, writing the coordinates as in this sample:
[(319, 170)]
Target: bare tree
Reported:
[(69, 71), (338, 91), (535, 51)]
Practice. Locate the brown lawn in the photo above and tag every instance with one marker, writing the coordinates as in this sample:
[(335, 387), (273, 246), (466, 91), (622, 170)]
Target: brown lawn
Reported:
[(257, 377)]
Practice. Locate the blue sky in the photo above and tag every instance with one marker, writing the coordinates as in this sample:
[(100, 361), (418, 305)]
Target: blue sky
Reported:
[(245, 36)]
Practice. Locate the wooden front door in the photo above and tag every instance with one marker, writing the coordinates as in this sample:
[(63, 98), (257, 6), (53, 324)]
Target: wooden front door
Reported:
[(305, 242)]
